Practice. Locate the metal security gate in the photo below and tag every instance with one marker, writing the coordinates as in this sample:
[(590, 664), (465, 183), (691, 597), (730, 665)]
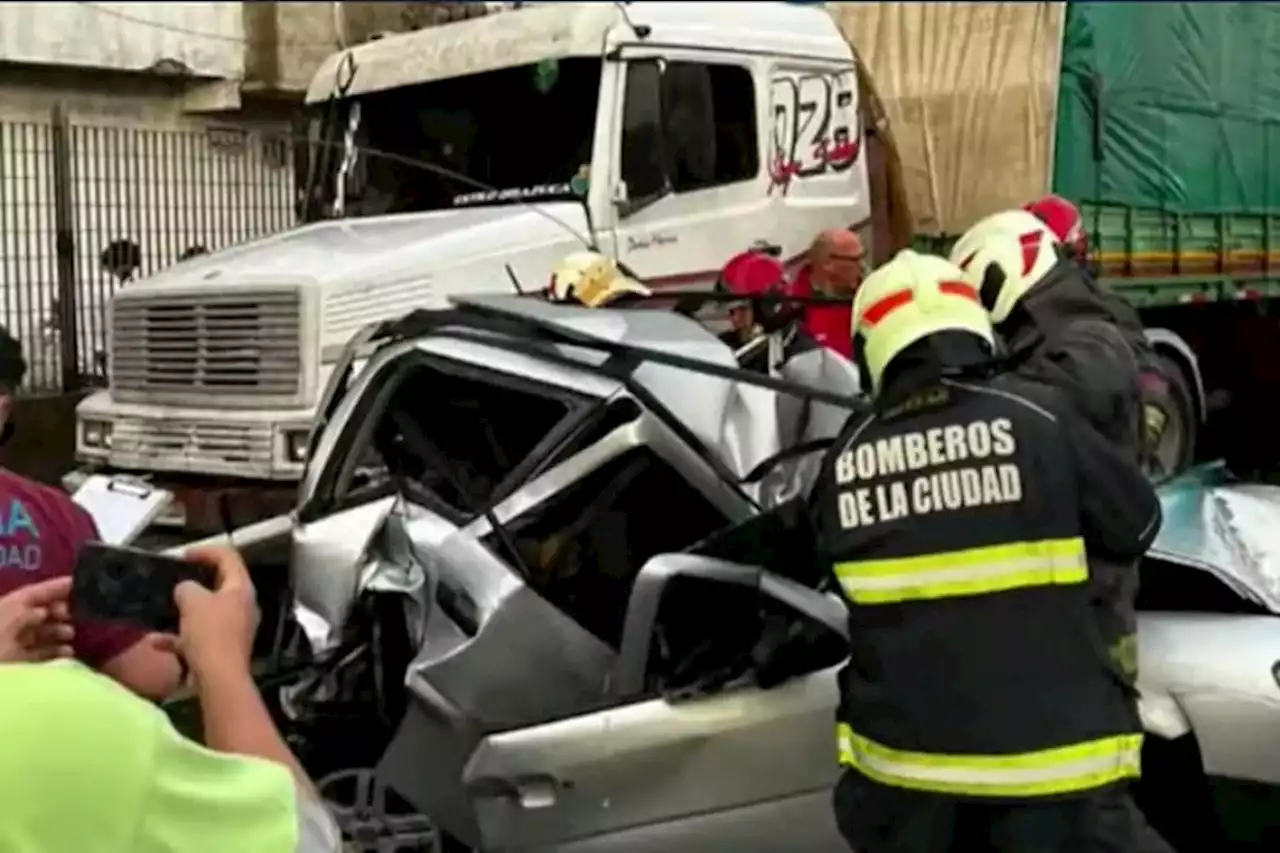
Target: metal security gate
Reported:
[(85, 209)]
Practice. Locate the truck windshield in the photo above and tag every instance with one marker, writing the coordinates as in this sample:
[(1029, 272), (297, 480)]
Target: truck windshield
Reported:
[(521, 133)]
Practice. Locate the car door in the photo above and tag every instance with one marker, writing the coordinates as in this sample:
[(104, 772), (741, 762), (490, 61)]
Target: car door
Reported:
[(713, 768), (690, 159)]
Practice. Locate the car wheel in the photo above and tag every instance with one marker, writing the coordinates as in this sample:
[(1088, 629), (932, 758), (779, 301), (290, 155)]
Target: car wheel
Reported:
[(1169, 419), (373, 819)]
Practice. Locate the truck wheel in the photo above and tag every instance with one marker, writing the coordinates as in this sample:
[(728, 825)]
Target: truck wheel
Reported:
[(1170, 423)]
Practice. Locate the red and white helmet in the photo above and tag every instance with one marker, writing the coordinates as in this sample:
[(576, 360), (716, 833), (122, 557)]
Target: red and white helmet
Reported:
[(1065, 221), (1005, 255)]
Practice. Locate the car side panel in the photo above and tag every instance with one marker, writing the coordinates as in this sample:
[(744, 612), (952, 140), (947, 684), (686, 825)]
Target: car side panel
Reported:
[(803, 824), (745, 770), (1218, 668)]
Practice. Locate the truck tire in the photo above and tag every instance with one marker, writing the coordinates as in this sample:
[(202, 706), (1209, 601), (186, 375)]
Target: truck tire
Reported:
[(1171, 422)]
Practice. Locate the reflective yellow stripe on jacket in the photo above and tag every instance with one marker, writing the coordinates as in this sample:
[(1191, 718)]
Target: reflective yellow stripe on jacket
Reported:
[(973, 571), (1064, 770)]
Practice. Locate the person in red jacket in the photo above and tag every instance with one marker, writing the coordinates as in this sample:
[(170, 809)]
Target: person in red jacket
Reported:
[(755, 275), (834, 269), (41, 532)]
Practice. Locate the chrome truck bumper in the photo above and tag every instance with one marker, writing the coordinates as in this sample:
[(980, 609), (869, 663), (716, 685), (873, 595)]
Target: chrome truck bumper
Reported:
[(252, 444), (251, 460)]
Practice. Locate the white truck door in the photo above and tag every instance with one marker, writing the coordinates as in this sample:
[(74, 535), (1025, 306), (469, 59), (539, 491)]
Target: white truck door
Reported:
[(691, 158)]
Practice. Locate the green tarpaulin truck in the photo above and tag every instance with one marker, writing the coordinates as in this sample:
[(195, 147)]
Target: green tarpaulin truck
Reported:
[(1160, 120)]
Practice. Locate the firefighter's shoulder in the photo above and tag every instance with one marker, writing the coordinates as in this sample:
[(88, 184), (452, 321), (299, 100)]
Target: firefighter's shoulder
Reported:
[(1009, 390)]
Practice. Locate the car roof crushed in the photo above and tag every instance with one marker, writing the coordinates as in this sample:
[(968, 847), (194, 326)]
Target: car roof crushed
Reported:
[(610, 343)]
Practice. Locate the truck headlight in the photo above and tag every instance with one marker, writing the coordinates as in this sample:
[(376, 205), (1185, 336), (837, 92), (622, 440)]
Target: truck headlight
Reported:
[(96, 435), (295, 445)]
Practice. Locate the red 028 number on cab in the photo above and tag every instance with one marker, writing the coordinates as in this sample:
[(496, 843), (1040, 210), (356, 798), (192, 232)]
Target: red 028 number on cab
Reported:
[(815, 126)]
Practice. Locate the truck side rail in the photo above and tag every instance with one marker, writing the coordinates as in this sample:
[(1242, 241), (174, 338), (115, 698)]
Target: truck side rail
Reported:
[(1156, 257)]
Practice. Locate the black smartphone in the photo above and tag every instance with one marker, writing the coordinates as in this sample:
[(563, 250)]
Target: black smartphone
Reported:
[(131, 586)]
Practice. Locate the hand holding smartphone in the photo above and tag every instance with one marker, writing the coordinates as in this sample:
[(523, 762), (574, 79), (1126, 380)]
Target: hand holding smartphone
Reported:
[(131, 586)]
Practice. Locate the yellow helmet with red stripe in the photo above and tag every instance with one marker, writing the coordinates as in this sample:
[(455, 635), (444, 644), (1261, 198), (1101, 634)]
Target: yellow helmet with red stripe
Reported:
[(908, 299)]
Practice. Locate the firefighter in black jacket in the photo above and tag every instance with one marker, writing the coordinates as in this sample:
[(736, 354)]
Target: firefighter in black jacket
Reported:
[(1065, 222), (979, 707), (1056, 323), (1058, 328)]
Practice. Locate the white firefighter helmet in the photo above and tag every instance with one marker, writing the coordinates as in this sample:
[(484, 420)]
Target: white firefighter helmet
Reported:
[(591, 279), (908, 299), (1004, 256)]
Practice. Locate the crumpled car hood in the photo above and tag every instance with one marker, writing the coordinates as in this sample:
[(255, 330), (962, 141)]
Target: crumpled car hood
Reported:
[(1224, 527)]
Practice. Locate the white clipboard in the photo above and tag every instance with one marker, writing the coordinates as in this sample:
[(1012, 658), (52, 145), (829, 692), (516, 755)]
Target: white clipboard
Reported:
[(121, 507)]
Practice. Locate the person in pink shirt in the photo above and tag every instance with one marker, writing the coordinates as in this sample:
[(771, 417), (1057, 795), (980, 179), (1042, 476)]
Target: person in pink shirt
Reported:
[(41, 532), (834, 269)]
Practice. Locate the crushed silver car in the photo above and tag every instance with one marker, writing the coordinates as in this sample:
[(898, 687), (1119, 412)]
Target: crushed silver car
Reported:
[(545, 599)]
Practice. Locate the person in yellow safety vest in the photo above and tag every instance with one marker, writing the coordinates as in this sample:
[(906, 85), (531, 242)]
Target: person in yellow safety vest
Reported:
[(979, 708), (91, 767), (594, 280)]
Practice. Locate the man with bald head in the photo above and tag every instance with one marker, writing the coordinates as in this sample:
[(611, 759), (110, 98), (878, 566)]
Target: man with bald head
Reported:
[(834, 269)]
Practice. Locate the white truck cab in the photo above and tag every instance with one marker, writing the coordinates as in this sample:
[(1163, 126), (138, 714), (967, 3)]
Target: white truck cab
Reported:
[(461, 159)]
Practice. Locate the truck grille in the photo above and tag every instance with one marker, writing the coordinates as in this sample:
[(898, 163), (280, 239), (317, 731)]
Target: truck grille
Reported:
[(243, 343), (165, 445)]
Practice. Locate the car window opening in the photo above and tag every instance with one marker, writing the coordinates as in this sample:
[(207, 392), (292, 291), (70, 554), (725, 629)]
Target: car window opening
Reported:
[(753, 635), (600, 423), (584, 547), (481, 430)]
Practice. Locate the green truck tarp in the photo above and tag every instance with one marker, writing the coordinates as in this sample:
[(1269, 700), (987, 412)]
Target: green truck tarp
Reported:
[(1170, 105)]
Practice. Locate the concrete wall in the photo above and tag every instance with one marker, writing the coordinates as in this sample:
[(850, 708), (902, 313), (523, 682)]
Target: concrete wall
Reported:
[(305, 33), (290, 41), (29, 93), (206, 39)]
